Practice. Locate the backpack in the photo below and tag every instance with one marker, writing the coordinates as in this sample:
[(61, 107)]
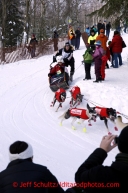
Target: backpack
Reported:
[(87, 57)]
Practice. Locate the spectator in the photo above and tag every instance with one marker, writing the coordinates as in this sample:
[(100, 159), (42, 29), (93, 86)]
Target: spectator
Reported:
[(87, 62), (125, 26), (108, 27), (97, 56), (24, 176), (116, 46), (94, 28), (121, 26), (67, 54), (111, 54), (99, 26), (87, 30), (55, 39), (92, 39), (32, 45), (71, 36), (78, 35), (117, 25), (104, 61), (104, 25), (108, 56), (98, 175), (103, 38)]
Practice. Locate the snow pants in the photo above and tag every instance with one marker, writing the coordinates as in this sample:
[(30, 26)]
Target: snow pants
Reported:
[(33, 52), (98, 63), (77, 43), (103, 69), (87, 67), (73, 41)]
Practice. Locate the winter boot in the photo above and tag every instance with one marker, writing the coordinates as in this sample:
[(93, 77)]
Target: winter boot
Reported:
[(107, 66), (98, 80)]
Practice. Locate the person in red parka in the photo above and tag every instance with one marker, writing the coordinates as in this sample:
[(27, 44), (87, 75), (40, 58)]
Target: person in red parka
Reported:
[(58, 68), (104, 64), (104, 61), (116, 46)]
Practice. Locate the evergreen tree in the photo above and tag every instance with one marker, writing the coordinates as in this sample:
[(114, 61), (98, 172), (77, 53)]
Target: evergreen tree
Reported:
[(12, 23), (115, 8)]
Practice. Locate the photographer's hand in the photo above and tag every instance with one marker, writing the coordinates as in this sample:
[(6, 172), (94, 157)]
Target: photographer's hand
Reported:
[(106, 143)]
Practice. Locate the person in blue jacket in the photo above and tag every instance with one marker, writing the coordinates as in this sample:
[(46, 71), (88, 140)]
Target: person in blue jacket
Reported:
[(87, 30)]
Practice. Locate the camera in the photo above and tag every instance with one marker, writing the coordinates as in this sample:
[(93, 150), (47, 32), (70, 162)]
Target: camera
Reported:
[(116, 140)]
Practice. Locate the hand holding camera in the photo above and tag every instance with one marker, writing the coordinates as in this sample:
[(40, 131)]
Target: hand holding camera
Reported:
[(106, 143)]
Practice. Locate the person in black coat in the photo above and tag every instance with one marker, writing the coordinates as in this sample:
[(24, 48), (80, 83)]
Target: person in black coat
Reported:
[(24, 176), (32, 45), (55, 40), (99, 178), (108, 27), (78, 35), (67, 54), (99, 26), (104, 25)]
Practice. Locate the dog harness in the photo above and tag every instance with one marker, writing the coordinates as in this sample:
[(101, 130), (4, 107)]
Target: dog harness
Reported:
[(58, 94), (79, 113), (75, 91), (101, 111)]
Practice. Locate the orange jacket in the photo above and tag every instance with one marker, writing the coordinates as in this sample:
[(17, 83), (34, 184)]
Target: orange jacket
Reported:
[(71, 34), (103, 40)]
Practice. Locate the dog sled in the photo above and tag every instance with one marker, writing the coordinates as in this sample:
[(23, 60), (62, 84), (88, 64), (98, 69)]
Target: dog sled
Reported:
[(60, 81)]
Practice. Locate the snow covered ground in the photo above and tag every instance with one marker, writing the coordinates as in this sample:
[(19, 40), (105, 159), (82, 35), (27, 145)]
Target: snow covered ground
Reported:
[(25, 113)]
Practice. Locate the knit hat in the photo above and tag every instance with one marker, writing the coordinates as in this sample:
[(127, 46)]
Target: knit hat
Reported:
[(60, 59), (98, 42), (67, 44), (102, 31), (20, 150), (92, 31), (122, 140)]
